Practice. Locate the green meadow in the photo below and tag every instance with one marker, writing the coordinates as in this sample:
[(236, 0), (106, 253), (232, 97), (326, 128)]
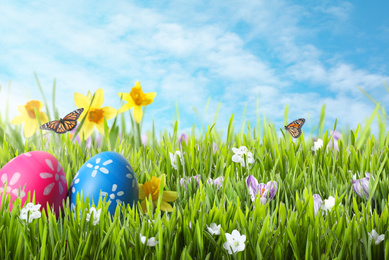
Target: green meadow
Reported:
[(286, 226)]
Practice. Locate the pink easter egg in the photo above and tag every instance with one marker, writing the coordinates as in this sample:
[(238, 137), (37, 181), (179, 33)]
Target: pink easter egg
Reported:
[(38, 172)]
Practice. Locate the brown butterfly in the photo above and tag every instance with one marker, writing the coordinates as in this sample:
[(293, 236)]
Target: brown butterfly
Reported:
[(294, 128), (64, 125)]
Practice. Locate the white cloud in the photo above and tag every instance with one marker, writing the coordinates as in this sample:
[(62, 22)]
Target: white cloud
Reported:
[(186, 55)]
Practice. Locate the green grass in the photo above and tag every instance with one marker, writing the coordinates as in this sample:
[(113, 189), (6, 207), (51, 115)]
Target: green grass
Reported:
[(283, 228)]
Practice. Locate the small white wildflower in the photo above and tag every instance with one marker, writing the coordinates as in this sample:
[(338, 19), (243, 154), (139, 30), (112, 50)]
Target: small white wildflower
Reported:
[(150, 242), (235, 242), (328, 204), (377, 238), (238, 157), (316, 145), (214, 229), (173, 158), (96, 215), (31, 212)]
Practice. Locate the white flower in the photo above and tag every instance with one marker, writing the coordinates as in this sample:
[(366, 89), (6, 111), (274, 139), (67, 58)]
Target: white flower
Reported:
[(328, 204), (377, 238), (96, 215), (150, 242), (235, 242), (316, 145), (31, 212), (214, 229), (238, 157), (173, 158)]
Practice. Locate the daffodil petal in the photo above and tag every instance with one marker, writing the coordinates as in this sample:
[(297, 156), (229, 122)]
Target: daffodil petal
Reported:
[(109, 112), (143, 205), (86, 130), (164, 179), (99, 98), (83, 114), (81, 101), (137, 84), (169, 196), (43, 117), (100, 128), (40, 105), (22, 110), (138, 113), (125, 96), (29, 128), (148, 98), (18, 120), (127, 106), (142, 193), (166, 207)]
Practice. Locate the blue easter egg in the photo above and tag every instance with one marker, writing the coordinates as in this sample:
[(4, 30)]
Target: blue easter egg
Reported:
[(107, 174)]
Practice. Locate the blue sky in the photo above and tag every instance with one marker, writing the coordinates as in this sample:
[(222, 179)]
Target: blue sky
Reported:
[(304, 54)]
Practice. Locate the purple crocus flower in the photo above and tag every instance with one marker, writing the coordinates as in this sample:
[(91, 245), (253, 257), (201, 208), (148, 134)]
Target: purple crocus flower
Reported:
[(214, 147), (265, 191), (317, 202), (218, 182), (364, 183), (183, 181), (183, 137), (144, 139), (335, 136), (198, 178)]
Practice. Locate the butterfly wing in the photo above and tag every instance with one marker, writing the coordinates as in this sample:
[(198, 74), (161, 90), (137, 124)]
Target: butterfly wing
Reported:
[(64, 125), (52, 125), (294, 132), (73, 116), (300, 121), (61, 128), (69, 125), (294, 128)]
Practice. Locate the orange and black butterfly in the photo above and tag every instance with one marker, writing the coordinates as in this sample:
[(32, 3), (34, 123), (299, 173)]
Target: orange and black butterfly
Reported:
[(64, 125), (294, 128)]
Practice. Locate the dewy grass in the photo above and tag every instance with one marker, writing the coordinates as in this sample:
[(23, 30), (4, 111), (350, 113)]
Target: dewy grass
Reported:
[(283, 228)]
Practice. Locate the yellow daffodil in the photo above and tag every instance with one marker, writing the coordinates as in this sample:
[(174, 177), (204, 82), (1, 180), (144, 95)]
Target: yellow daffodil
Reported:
[(136, 98), (96, 114), (28, 117), (152, 188)]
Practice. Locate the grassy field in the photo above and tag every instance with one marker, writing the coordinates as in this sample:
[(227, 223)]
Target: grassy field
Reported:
[(284, 227)]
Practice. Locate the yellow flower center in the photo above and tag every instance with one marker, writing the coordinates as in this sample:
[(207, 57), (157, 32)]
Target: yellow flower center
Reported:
[(96, 115), (137, 95), (30, 108), (152, 188)]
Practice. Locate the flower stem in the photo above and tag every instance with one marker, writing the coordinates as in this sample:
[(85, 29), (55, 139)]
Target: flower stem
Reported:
[(138, 132)]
